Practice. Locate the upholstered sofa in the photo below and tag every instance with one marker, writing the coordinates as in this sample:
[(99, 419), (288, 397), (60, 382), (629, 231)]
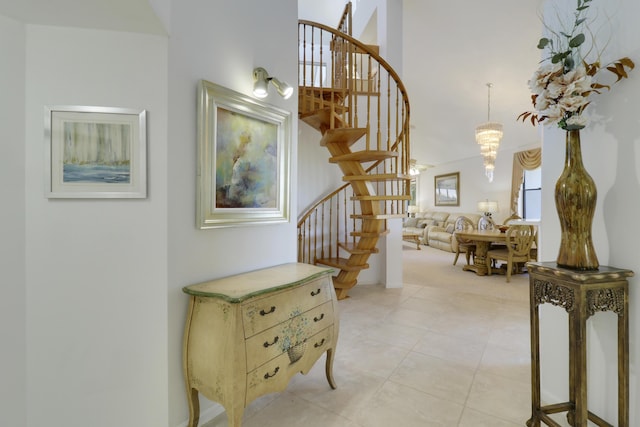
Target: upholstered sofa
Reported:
[(441, 236), (423, 223)]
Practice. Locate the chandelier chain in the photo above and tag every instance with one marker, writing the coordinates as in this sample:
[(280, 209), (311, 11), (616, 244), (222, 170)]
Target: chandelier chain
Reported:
[(489, 85)]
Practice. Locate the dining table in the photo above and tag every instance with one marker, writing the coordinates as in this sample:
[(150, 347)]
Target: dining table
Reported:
[(483, 240)]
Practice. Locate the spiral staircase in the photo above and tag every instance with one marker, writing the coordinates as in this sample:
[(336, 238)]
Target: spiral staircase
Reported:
[(359, 105)]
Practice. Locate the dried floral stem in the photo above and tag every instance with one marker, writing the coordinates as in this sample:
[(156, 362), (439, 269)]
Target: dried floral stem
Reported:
[(562, 85)]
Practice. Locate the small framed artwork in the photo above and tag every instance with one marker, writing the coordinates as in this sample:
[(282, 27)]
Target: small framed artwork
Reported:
[(95, 152), (447, 189), (243, 160)]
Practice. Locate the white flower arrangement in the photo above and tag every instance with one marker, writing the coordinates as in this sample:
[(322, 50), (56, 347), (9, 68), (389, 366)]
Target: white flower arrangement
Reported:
[(562, 85)]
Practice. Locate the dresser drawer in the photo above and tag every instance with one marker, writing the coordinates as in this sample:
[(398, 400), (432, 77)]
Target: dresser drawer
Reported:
[(268, 344), (260, 314), (275, 374), (239, 329)]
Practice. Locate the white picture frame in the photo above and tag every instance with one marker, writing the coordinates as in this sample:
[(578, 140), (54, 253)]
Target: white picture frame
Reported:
[(244, 149), (95, 152)]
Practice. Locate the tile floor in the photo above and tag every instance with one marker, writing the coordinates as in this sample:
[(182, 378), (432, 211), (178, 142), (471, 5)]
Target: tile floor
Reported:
[(448, 349)]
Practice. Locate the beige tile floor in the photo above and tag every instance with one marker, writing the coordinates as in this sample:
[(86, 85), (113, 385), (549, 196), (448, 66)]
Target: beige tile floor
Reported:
[(448, 349)]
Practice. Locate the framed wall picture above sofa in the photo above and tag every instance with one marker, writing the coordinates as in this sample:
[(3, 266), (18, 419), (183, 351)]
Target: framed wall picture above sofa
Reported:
[(447, 189)]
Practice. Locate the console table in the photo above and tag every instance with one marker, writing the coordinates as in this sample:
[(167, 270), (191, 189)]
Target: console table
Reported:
[(247, 335), (581, 294)]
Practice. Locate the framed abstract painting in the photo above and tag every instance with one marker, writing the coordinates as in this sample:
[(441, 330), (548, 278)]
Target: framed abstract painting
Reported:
[(95, 152), (243, 160)]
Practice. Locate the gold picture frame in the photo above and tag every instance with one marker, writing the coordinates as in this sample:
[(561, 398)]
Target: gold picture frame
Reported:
[(447, 189)]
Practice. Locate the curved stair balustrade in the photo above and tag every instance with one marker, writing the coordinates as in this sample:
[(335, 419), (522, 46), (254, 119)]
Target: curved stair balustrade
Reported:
[(359, 105)]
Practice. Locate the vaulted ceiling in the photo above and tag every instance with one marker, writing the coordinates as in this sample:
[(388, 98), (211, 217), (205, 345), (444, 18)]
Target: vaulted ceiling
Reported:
[(451, 49)]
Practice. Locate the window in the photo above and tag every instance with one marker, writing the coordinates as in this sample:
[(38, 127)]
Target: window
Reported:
[(529, 160), (414, 192), (530, 203)]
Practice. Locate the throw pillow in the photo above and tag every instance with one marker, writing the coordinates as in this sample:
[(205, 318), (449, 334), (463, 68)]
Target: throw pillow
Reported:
[(411, 222), (424, 223), (449, 229)]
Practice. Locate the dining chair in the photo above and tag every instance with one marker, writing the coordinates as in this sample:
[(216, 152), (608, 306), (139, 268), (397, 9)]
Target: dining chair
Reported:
[(464, 245), (511, 217), (517, 251), (486, 223), (533, 253)]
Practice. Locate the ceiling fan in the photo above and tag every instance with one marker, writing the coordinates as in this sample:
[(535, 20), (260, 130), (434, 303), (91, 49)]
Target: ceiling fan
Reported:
[(415, 168)]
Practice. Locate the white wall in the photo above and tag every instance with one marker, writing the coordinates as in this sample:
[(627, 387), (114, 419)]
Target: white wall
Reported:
[(96, 269), (315, 175), (221, 42), (610, 148), (13, 405), (95, 285), (327, 12)]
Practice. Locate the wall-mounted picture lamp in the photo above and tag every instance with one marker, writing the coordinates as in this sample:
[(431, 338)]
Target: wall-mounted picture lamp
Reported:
[(261, 81)]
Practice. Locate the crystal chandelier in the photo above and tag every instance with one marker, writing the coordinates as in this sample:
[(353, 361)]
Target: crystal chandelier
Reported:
[(488, 136)]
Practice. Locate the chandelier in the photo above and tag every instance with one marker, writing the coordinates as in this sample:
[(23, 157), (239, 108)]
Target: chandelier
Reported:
[(488, 136)]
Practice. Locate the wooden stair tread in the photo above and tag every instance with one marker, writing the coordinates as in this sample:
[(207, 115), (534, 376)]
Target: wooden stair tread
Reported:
[(341, 263), (319, 119), (380, 217), (338, 47), (343, 135), (364, 156), (325, 92), (352, 248), (323, 111), (382, 198), (341, 285), (378, 177), (367, 234), (342, 288)]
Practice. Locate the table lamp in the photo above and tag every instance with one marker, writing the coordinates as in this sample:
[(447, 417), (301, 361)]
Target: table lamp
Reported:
[(488, 207)]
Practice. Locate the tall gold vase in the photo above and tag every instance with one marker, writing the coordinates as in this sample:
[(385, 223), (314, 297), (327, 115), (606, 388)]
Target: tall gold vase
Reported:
[(576, 196)]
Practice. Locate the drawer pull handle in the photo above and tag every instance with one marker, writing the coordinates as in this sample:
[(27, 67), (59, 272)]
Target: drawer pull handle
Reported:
[(267, 375), (317, 319), (269, 344), (314, 293), (264, 313), (319, 344)]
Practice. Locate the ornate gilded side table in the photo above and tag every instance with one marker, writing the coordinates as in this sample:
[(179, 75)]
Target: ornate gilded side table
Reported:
[(581, 294)]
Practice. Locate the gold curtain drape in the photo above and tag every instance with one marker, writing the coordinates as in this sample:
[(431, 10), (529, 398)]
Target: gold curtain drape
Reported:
[(522, 160)]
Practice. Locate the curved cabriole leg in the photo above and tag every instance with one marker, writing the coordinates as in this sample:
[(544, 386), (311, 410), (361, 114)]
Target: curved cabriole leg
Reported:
[(329, 369), (194, 407), (234, 416)]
